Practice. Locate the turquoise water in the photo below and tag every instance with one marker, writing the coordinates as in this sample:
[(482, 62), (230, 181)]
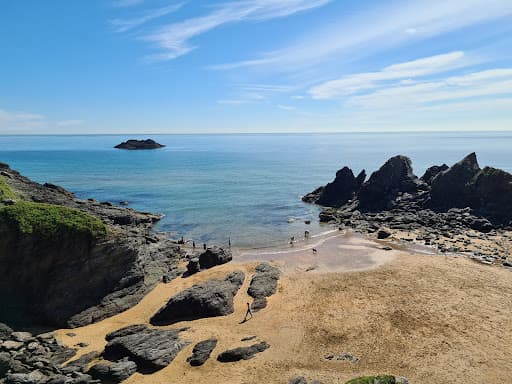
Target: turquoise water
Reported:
[(247, 187)]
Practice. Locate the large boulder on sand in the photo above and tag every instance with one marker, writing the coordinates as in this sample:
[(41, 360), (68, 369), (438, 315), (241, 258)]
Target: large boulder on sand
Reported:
[(150, 349), (202, 352), (242, 353), (209, 299), (263, 285), (384, 185), (338, 192), (214, 256)]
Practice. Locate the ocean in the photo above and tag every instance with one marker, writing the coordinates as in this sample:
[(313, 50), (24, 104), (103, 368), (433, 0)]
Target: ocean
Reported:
[(245, 187)]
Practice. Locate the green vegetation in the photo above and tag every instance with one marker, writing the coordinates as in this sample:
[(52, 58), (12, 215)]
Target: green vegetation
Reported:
[(5, 191), (51, 221), (383, 379)]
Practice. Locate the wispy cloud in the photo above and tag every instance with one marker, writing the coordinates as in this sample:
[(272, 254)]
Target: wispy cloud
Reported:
[(398, 23), (175, 39), (487, 83), (12, 121), (361, 81), (123, 25), (285, 107)]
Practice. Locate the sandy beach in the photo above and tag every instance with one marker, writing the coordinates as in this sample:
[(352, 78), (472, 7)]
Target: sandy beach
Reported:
[(426, 317)]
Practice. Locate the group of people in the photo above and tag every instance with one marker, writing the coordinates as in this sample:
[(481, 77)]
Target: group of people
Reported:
[(306, 237)]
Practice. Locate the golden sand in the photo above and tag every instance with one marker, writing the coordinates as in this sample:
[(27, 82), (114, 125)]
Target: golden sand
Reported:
[(432, 319)]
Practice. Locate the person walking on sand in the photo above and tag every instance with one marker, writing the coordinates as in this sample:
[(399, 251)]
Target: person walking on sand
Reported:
[(247, 313)]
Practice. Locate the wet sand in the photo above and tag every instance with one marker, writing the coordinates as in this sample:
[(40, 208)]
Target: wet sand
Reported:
[(442, 319)]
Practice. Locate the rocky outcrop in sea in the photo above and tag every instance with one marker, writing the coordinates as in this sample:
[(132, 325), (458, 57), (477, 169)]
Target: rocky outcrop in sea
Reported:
[(139, 144)]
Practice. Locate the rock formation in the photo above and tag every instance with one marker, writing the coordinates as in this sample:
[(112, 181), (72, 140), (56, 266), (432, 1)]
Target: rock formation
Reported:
[(139, 144), (150, 349), (487, 193), (263, 285), (202, 352), (69, 262), (242, 353), (209, 299)]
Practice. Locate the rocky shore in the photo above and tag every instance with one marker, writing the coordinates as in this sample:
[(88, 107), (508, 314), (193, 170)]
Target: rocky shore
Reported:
[(458, 209), (69, 262)]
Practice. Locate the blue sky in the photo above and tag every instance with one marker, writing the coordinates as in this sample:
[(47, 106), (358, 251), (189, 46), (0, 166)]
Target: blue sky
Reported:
[(185, 66)]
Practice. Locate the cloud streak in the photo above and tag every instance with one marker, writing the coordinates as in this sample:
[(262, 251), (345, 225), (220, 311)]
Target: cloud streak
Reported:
[(175, 39), (397, 24), (362, 81), (124, 25)]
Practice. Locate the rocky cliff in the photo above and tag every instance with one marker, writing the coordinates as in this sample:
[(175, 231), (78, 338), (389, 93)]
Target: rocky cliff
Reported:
[(70, 262)]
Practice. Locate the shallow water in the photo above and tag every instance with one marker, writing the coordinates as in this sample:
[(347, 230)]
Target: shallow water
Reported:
[(243, 187)]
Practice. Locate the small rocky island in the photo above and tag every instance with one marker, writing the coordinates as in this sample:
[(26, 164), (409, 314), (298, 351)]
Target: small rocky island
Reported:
[(139, 144)]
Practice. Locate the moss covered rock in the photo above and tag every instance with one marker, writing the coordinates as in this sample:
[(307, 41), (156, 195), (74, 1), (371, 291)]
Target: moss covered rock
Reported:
[(5, 191), (51, 221)]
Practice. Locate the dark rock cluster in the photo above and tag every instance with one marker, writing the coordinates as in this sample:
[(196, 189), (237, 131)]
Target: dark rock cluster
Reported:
[(445, 201), (27, 359), (139, 144)]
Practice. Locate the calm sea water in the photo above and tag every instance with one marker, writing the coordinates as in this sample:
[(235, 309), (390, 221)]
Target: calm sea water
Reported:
[(246, 187)]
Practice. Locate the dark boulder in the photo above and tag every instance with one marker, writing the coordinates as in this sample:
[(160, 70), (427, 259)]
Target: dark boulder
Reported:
[(340, 191), (150, 349), (263, 284), (209, 299), (214, 256), (202, 352), (432, 172), (453, 188), (242, 353), (113, 373), (385, 185), (383, 234), (139, 144), (493, 189), (5, 331)]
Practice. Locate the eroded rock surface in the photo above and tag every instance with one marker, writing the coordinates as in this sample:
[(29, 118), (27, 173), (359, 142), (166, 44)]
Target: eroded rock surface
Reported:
[(202, 352), (150, 349), (208, 299), (242, 353), (263, 285)]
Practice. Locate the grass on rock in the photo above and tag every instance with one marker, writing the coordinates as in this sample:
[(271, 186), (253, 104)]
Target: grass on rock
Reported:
[(51, 221), (5, 191)]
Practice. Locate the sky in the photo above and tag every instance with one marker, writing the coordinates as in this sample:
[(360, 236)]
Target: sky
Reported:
[(255, 66)]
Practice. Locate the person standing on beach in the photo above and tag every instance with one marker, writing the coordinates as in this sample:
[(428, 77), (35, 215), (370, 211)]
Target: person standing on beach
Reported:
[(204, 246), (229, 242), (247, 313), (193, 245)]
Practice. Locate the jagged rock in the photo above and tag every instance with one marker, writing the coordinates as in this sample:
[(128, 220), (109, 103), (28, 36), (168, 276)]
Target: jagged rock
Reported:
[(214, 256), (113, 373), (381, 379), (383, 186), (139, 144), (340, 191), (263, 285), (242, 353), (432, 172), (21, 336), (150, 349), (202, 352), (34, 377), (453, 187), (208, 299), (493, 189)]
